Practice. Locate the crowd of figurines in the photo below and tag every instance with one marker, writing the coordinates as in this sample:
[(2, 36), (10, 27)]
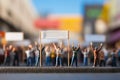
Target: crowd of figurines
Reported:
[(56, 55)]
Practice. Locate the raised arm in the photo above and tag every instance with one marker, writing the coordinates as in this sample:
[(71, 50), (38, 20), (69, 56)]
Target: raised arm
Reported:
[(88, 49), (91, 46), (54, 46), (72, 44), (78, 48), (101, 45), (73, 48)]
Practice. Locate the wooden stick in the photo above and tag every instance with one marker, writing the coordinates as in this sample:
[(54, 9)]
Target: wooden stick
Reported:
[(40, 50), (68, 50)]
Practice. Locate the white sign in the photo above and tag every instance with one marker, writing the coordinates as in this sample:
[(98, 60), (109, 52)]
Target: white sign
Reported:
[(57, 34), (95, 38), (23, 43), (14, 36)]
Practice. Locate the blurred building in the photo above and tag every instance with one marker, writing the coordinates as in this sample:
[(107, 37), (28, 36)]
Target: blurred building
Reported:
[(17, 15), (96, 16), (114, 8), (92, 13), (113, 34), (71, 22)]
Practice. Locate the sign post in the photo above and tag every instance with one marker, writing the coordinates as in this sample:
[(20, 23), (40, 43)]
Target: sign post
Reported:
[(68, 49), (40, 50)]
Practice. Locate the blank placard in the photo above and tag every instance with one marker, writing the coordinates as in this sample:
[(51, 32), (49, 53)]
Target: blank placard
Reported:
[(57, 34), (95, 38), (14, 36)]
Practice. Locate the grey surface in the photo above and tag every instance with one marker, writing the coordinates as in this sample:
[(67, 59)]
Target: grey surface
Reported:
[(62, 76), (59, 70)]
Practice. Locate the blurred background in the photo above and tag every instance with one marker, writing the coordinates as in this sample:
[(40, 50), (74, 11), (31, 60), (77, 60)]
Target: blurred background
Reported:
[(87, 20)]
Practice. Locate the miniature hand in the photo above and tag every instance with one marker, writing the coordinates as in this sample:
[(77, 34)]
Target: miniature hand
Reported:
[(101, 44), (91, 43)]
